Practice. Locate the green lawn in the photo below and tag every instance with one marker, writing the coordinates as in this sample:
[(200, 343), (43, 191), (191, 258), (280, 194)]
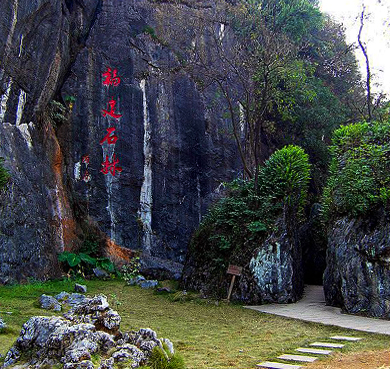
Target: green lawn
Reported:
[(207, 335)]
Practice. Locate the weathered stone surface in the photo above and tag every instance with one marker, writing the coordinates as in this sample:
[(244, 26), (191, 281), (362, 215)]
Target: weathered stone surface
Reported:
[(358, 259), (72, 340), (95, 311), (49, 303), (82, 288)]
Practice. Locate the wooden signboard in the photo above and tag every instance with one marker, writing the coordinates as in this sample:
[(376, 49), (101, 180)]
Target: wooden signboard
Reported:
[(234, 270)]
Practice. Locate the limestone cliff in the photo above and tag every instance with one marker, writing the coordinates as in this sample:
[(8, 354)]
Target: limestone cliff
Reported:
[(167, 141)]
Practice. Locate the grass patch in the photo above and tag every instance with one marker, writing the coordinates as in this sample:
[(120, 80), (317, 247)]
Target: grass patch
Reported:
[(205, 334)]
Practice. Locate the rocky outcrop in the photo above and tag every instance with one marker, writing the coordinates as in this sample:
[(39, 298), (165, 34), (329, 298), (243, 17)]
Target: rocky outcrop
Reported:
[(358, 261), (90, 328), (40, 41), (172, 144), (277, 267), (272, 270)]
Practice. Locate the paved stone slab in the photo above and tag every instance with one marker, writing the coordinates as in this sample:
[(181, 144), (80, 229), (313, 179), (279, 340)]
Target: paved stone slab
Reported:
[(312, 308), (306, 359), (313, 351), (344, 338), (271, 365), (326, 344)]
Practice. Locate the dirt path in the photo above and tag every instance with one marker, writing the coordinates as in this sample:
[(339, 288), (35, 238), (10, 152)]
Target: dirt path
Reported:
[(361, 360)]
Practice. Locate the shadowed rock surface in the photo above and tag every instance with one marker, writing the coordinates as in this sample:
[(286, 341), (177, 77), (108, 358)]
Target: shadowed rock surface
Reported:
[(357, 273)]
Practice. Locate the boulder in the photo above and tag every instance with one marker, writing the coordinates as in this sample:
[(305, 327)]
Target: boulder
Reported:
[(49, 303), (82, 288)]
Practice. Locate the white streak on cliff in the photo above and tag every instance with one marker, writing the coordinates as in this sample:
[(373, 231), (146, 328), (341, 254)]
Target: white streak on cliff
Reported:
[(242, 117), (59, 212), (23, 128), (21, 46), (19, 111), (199, 198), (222, 30), (76, 170), (146, 200), (4, 100), (12, 29)]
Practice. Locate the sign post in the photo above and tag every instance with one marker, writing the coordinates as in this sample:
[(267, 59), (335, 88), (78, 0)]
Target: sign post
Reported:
[(234, 270)]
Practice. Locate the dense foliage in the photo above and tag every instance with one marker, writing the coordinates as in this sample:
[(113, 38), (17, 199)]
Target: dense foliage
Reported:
[(241, 219), (4, 175), (359, 178)]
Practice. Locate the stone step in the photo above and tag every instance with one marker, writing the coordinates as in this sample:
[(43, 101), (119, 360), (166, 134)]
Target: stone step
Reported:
[(271, 365), (306, 359), (328, 345), (342, 338), (313, 351)]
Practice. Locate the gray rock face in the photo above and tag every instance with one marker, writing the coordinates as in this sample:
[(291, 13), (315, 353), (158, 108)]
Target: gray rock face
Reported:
[(91, 328), (277, 268), (170, 144), (358, 259)]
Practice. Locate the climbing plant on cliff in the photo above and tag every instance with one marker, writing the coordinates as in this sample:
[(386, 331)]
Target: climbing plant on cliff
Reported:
[(359, 179), (4, 175)]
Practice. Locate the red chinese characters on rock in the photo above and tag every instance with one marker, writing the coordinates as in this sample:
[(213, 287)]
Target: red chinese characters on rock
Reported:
[(111, 78), (109, 137), (111, 166), (111, 110), (86, 177), (85, 160)]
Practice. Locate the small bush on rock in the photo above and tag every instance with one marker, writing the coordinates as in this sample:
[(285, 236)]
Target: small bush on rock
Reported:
[(359, 178)]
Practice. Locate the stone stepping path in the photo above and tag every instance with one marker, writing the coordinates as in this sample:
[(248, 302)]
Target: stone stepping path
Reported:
[(342, 338), (313, 351), (328, 345), (306, 359), (307, 350), (271, 365)]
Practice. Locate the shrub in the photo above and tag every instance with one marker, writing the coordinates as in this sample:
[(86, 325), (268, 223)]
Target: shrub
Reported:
[(359, 175), (163, 359)]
